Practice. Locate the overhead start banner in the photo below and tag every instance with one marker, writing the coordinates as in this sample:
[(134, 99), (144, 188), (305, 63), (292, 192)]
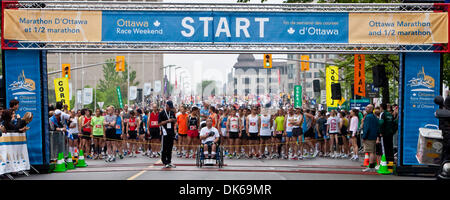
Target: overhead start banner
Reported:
[(226, 27)]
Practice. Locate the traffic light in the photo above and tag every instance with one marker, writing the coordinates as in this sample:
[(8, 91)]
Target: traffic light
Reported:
[(120, 63), (66, 71), (267, 60)]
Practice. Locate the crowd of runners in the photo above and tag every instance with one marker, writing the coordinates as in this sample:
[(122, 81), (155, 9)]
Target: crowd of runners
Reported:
[(246, 132)]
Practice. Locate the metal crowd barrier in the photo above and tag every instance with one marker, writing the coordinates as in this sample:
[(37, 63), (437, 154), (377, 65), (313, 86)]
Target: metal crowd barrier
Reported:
[(58, 144)]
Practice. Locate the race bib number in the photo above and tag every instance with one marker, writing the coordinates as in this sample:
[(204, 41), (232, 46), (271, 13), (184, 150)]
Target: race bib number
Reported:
[(154, 123), (192, 127), (98, 126), (117, 126), (252, 124), (234, 126), (169, 125), (289, 124), (265, 125)]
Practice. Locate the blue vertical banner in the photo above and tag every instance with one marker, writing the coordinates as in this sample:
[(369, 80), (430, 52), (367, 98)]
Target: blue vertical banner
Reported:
[(421, 85), (23, 82)]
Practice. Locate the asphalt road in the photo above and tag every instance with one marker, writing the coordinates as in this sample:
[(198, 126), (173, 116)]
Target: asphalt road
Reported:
[(144, 168)]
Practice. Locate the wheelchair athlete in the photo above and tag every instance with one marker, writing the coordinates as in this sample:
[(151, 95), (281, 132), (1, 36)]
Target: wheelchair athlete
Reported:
[(209, 136)]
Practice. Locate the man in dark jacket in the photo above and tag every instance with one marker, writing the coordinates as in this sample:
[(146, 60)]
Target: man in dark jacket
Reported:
[(370, 134), (444, 124), (387, 132)]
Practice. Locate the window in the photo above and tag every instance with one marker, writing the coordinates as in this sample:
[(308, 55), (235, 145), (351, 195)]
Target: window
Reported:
[(308, 85), (316, 75), (291, 86), (308, 75), (247, 91), (309, 94), (259, 80), (290, 56), (235, 81), (247, 81), (291, 75)]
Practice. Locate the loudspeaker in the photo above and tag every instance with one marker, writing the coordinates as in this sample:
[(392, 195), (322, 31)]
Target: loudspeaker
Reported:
[(379, 76), (336, 91), (316, 85), (139, 95)]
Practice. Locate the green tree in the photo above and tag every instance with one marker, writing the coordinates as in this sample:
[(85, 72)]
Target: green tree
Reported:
[(446, 69), (111, 79)]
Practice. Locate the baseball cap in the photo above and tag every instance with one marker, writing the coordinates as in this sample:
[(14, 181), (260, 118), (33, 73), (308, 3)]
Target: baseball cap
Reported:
[(57, 112), (170, 104)]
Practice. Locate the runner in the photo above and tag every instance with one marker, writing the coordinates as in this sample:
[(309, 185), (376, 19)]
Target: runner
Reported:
[(73, 131), (193, 123), (243, 137), (98, 133), (125, 117), (182, 127), (145, 139), (154, 132), (118, 137), (333, 131), (279, 130), (132, 133), (86, 132), (110, 132), (234, 133), (354, 132), (309, 134), (223, 130), (297, 133), (344, 134), (253, 126), (265, 134), (289, 123), (321, 132)]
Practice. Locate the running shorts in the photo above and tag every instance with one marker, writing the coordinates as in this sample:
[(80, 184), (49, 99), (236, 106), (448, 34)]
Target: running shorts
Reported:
[(224, 132), (234, 135), (310, 133), (244, 135), (289, 134), (253, 136), (154, 133), (265, 137), (297, 132), (86, 135), (192, 133), (132, 135), (75, 136), (110, 134)]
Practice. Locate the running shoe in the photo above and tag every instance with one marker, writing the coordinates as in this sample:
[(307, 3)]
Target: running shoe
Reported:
[(300, 157), (356, 158), (113, 159), (315, 154), (130, 155), (171, 165)]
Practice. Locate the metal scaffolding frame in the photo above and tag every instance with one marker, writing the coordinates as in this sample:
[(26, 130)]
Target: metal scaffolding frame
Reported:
[(217, 47)]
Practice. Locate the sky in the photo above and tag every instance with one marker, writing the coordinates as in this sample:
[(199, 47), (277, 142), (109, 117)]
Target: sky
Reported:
[(207, 66)]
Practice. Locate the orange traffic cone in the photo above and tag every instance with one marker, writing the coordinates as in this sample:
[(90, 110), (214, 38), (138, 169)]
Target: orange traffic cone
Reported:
[(366, 160)]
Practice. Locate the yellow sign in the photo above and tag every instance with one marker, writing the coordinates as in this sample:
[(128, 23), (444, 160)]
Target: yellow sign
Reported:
[(37, 25), (332, 73), (62, 91), (398, 28), (304, 65)]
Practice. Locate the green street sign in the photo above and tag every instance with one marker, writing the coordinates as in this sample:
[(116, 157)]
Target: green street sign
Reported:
[(297, 96), (119, 96)]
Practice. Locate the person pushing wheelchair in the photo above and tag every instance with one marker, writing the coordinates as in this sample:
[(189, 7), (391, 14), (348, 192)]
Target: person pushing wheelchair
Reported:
[(209, 136)]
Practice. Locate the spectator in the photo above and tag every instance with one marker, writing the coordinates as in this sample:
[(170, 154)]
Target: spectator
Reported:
[(56, 122), (386, 132), (370, 134), (22, 124), (14, 104), (167, 122)]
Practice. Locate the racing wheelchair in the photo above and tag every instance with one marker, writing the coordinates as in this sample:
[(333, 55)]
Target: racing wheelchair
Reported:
[(202, 161)]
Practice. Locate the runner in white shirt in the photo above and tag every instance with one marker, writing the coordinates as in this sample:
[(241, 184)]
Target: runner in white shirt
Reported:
[(265, 133), (353, 131), (253, 130), (333, 131), (209, 136), (289, 121), (233, 129)]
